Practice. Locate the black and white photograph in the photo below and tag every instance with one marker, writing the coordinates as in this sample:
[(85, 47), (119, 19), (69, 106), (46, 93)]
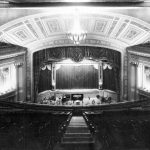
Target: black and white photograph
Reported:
[(74, 74)]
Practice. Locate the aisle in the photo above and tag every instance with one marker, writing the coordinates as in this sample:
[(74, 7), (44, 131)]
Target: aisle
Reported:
[(77, 135)]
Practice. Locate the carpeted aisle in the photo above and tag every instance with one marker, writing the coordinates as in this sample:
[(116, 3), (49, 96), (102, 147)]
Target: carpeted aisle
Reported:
[(77, 136)]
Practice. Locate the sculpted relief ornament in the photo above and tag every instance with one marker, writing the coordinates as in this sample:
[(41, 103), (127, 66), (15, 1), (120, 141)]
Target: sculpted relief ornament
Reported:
[(133, 59), (77, 54)]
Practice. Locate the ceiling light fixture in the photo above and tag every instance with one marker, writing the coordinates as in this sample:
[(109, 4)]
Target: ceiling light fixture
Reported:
[(76, 34)]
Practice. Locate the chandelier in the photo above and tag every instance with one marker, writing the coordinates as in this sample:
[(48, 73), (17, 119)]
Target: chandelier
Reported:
[(76, 34), (77, 37)]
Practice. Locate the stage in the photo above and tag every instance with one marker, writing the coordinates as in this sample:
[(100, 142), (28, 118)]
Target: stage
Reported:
[(76, 97)]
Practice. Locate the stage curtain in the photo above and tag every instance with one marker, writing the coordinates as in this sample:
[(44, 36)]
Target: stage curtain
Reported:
[(77, 77), (45, 82), (117, 81), (109, 81)]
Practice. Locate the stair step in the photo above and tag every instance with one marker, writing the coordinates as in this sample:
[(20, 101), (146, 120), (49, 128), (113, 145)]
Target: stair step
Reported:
[(78, 146), (79, 143), (77, 120), (77, 123), (77, 135), (77, 130), (77, 126), (77, 139)]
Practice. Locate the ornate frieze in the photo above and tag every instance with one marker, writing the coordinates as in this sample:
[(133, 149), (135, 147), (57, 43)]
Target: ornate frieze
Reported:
[(78, 53), (141, 54), (133, 59), (16, 60), (18, 64)]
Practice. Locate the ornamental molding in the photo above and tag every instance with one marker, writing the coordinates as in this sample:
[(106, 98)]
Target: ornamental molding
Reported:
[(19, 60), (133, 59), (78, 53), (16, 60), (8, 56), (140, 54), (19, 64), (139, 57), (101, 29)]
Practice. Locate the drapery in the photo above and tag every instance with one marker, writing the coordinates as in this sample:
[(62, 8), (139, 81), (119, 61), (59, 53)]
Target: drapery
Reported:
[(77, 77), (45, 82), (109, 81), (77, 53)]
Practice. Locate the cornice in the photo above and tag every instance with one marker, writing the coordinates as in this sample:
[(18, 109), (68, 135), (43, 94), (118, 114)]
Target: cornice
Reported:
[(7, 56), (142, 54)]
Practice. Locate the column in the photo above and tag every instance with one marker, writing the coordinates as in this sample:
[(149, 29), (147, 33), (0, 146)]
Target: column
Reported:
[(100, 74), (53, 76), (21, 84), (132, 78)]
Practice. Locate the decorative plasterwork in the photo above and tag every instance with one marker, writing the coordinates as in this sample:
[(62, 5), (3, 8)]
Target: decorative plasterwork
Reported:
[(133, 59), (105, 29), (137, 57), (139, 53)]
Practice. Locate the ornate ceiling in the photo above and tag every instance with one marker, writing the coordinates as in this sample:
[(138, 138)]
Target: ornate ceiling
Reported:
[(105, 29)]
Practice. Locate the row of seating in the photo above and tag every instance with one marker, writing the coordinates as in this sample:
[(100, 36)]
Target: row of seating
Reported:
[(90, 124), (63, 126), (28, 131), (121, 131)]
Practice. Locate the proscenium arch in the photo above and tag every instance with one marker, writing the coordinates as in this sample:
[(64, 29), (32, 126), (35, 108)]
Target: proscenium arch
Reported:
[(76, 54), (47, 30)]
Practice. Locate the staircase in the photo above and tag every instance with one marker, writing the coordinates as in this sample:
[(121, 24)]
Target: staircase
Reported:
[(77, 135)]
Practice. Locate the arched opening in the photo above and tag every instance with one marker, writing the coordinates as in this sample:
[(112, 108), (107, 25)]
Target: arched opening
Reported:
[(73, 69)]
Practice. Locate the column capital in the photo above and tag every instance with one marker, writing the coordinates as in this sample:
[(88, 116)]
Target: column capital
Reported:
[(134, 60), (18, 64), (136, 63)]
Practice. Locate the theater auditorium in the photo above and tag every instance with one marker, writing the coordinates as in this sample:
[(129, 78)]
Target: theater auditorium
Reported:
[(74, 75)]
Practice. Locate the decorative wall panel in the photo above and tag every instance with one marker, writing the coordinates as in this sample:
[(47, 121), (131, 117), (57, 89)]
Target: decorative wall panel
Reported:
[(100, 25), (132, 33)]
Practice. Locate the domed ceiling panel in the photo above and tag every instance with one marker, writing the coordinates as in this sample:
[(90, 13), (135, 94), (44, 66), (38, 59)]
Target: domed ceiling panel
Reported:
[(44, 30)]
